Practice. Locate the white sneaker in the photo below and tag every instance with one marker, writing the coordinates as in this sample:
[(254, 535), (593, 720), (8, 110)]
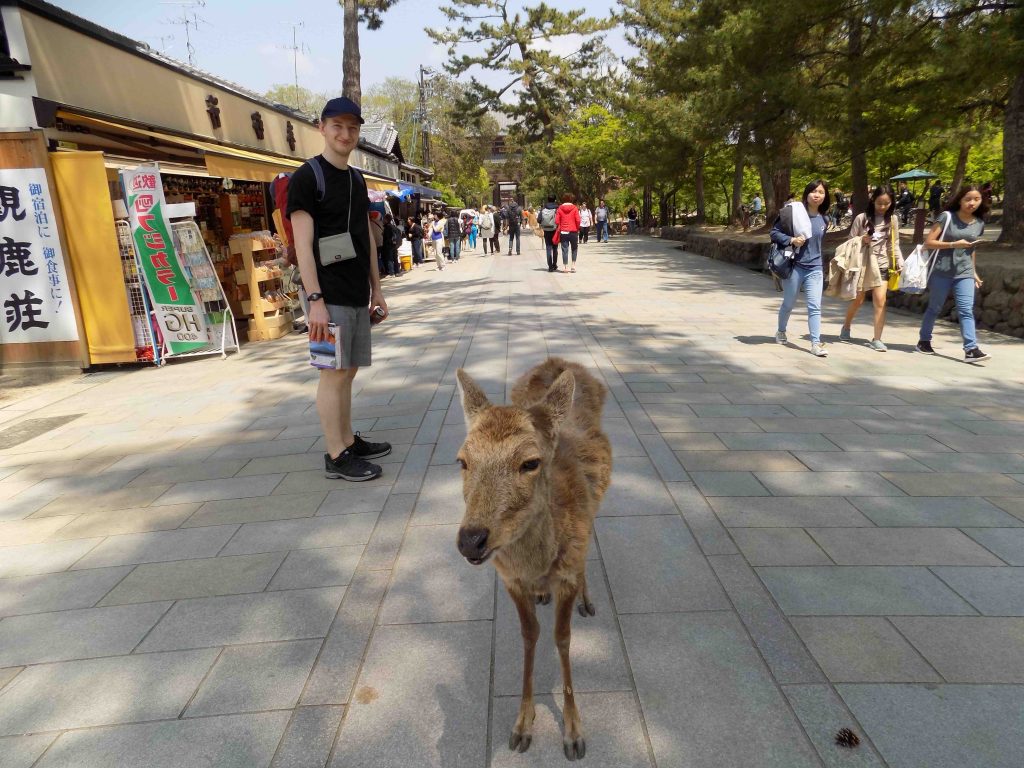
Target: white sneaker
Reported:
[(818, 350), (780, 337)]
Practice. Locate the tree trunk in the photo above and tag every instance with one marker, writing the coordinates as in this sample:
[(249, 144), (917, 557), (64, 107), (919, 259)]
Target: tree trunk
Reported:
[(961, 170), (1013, 165), (350, 61), (645, 208), (737, 174), (855, 115), (698, 183), (767, 190)]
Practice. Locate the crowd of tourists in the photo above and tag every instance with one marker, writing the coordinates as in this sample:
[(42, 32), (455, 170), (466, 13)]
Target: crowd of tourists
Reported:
[(876, 262)]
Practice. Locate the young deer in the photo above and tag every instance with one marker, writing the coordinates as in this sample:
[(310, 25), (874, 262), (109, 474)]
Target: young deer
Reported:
[(533, 475)]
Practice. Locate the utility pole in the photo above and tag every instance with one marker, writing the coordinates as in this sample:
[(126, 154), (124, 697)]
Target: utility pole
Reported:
[(188, 23), (296, 49)]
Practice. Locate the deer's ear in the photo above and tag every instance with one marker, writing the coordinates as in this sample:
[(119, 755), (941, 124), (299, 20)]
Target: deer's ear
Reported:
[(473, 398), (559, 397)]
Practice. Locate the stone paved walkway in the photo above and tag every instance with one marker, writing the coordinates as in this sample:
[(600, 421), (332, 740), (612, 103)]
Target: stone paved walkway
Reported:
[(789, 546)]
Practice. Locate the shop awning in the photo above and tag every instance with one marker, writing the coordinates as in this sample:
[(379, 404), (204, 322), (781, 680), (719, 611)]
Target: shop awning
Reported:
[(379, 183), (419, 189)]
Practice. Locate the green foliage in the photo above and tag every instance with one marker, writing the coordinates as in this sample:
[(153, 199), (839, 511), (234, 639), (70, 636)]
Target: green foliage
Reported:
[(304, 100), (395, 101)]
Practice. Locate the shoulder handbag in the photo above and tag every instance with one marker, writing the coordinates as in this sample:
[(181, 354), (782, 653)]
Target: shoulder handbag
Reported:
[(780, 261), (894, 236)]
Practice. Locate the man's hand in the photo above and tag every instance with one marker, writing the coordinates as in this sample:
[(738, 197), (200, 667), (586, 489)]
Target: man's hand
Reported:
[(318, 320), (377, 300)]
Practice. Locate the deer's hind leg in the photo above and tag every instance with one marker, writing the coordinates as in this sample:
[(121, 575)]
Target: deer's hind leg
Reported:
[(585, 606), (522, 731), (573, 744)]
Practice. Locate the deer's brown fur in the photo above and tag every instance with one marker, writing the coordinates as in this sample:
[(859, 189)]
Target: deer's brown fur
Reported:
[(533, 476)]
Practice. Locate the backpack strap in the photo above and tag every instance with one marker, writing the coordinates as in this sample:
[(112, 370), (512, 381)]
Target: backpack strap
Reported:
[(318, 174)]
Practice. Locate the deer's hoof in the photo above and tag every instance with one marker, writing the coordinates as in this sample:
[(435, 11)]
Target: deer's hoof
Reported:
[(519, 742), (544, 598), (575, 749), (586, 608)]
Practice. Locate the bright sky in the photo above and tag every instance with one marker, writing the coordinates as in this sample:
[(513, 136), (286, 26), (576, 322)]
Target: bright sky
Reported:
[(249, 41)]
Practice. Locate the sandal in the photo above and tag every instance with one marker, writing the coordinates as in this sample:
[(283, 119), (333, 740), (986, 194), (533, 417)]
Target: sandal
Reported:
[(573, 269)]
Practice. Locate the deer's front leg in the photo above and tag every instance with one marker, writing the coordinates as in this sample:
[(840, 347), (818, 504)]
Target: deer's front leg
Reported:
[(573, 744), (522, 732)]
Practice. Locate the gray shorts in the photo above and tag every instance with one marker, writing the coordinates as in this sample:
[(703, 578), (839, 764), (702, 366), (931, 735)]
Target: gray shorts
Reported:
[(353, 334)]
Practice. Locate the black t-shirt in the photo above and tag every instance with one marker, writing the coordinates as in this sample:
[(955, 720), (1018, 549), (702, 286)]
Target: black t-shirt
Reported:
[(346, 283)]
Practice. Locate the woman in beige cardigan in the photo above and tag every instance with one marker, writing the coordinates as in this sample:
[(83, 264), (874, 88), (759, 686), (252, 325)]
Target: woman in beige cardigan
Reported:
[(878, 229)]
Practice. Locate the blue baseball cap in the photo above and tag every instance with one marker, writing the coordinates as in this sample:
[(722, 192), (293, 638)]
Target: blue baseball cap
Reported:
[(341, 106)]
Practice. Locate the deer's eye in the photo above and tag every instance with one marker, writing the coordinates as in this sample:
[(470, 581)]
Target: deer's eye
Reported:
[(529, 466), (462, 463)]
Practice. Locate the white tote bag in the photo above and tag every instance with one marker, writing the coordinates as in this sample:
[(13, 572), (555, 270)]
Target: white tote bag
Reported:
[(917, 268)]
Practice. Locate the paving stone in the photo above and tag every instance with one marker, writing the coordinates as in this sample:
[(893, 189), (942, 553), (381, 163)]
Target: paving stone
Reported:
[(339, 662), (354, 499), (994, 427), (694, 441), (701, 519), (255, 678), (936, 429), (432, 582), (777, 441), (256, 510), (311, 568), (1015, 506), (158, 546), (623, 438), (863, 650), (821, 712), (57, 591), (419, 681), (82, 694), (664, 459), (636, 489), (938, 512), (104, 501), (8, 674), (23, 751), (983, 443), (862, 461), (452, 438), (279, 447), (413, 471), (993, 591), (120, 521), (211, 469), (749, 411), (861, 591), (970, 649), (386, 540), (293, 462), (32, 531), (779, 645), (239, 619), (954, 484), (638, 418), (745, 461), (612, 728), (303, 533), (787, 512), (897, 442), (48, 557), (309, 738), (728, 692), (780, 546), (237, 741), (673, 423), (827, 484), (598, 663), (942, 726), (901, 546), (430, 429), (233, 488), (972, 462), (1006, 543), (728, 484), (794, 424), (653, 564), (440, 500), (184, 579)]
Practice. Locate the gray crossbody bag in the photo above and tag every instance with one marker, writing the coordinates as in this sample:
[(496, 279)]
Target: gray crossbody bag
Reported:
[(335, 248)]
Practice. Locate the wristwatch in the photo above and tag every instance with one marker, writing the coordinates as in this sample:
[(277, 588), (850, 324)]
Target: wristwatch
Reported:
[(314, 297)]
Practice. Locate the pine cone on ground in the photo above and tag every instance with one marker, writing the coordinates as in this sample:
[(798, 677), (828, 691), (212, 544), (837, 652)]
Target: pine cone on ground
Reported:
[(847, 738)]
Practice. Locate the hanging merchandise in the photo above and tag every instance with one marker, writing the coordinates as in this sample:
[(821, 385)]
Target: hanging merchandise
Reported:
[(138, 302)]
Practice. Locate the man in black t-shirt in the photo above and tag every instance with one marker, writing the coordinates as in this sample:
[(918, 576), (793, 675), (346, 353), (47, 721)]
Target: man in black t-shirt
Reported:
[(338, 262), (515, 218)]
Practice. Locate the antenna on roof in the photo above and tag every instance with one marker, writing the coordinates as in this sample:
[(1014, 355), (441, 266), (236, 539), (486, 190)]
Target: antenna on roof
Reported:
[(188, 23), (296, 49)]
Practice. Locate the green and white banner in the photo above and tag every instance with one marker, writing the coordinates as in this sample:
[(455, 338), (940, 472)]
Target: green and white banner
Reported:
[(180, 317)]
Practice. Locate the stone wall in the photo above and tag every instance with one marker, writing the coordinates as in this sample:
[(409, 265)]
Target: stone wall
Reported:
[(998, 306)]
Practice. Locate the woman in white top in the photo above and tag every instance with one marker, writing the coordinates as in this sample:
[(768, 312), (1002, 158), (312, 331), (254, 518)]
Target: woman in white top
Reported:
[(437, 225), (586, 221), (486, 224)]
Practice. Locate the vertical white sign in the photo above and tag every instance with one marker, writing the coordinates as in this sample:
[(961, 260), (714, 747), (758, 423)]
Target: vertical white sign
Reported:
[(35, 296)]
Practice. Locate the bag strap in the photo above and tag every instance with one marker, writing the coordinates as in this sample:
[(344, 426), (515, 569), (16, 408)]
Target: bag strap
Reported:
[(318, 174), (935, 254)]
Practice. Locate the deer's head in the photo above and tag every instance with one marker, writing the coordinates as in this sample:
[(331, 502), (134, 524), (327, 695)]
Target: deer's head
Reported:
[(505, 463)]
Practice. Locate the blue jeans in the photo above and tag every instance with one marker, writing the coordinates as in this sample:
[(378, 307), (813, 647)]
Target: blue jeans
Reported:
[(454, 246), (417, 251), (811, 280), (513, 234), (551, 249), (602, 231), (939, 287)]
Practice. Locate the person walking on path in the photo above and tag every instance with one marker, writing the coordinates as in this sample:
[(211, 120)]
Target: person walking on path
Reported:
[(414, 232), (338, 262), (878, 227), (515, 218), (496, 238), (567, 225), (437, 227), (935, 199), (632, 219), (392, 239), (453, 231), (486, 227), (546, 221), (601, 217), (955, 236), (800, 227), (586, 221), (474, 230)]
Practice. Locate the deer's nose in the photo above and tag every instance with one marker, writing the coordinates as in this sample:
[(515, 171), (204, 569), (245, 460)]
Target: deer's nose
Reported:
[(473, 542)]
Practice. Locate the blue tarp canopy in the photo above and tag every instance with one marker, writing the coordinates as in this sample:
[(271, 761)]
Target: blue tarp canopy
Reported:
[(917, 173), (408, 190)]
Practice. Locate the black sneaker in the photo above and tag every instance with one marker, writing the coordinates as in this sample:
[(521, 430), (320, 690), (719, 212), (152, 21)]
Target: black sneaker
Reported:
[(925, 347), (366, 450), (975, 356), (350, 467)]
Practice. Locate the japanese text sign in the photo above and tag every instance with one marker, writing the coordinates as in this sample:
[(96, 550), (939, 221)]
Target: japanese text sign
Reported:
[(180, 317), (35, 297)]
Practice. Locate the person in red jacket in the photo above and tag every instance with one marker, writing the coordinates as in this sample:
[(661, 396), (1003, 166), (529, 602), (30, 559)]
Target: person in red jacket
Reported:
[(567, 225)]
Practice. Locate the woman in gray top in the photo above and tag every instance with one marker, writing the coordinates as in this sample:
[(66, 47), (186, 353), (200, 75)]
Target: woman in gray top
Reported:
[(955, 236)]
